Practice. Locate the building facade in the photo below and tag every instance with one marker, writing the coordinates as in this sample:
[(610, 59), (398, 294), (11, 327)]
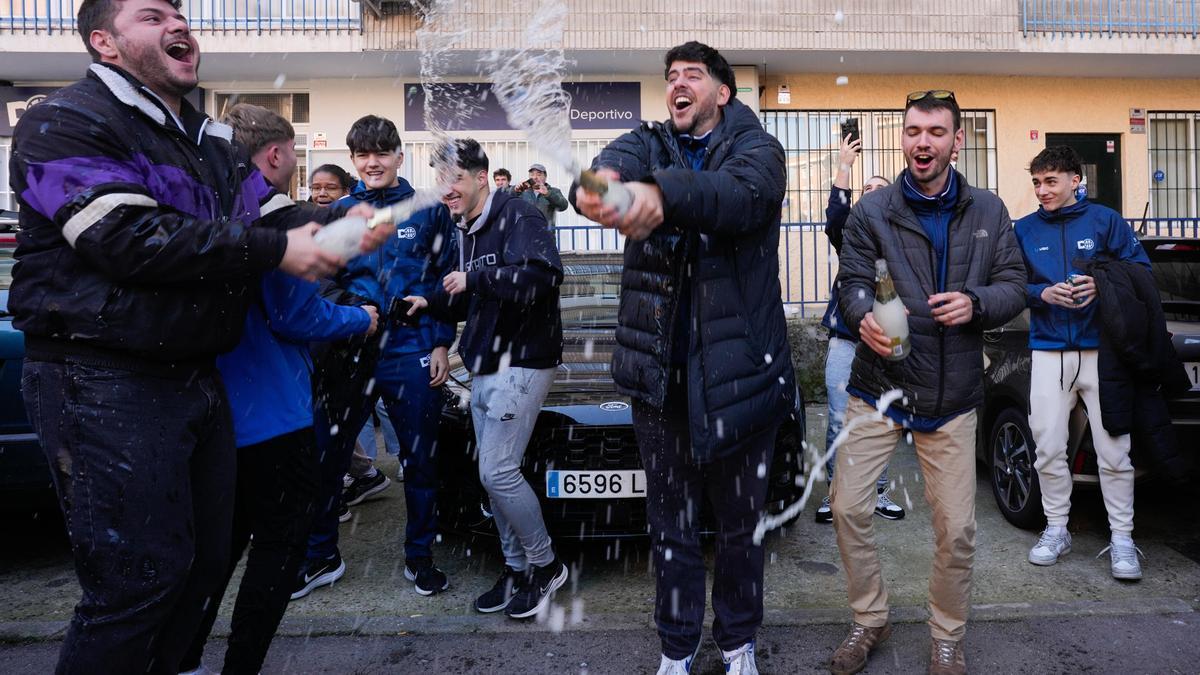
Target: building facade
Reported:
[(1119, 81)]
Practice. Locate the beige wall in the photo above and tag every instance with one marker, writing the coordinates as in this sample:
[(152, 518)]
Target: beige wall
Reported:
[(1022, 104)]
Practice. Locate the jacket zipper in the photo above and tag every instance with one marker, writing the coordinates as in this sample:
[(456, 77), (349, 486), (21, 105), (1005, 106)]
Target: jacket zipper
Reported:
[(1062, 235)]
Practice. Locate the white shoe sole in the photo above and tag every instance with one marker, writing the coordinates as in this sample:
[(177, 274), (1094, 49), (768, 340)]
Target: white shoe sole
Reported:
[(326, 579), (1127, 576), (492, 610), (1046, 562), (555, 584), (411, 576)]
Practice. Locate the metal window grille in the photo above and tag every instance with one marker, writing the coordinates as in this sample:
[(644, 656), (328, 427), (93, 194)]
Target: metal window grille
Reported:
[(811, 142), (1174, 154), (292, 107), (7, 201)]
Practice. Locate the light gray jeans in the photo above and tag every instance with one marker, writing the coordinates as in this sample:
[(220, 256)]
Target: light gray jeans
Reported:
[(504, 408)]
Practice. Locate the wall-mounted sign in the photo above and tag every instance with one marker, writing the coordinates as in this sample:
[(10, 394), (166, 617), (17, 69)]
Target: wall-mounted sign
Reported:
[(473, 107), (16, 101), (1033, 134), (1159, 176), (785, 95), (320, 140), (1137, 121), (1110, 146)]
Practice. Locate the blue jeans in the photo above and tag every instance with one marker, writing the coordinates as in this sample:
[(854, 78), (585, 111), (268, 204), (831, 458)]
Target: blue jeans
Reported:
[(380, 419), (415, 410), (838, 361), (143, 465)]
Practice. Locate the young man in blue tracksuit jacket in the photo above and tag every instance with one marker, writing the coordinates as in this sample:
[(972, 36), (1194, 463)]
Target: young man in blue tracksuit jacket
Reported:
[(267, 380), (506, 290), (842, 343), (1064, 335), (413, 363)]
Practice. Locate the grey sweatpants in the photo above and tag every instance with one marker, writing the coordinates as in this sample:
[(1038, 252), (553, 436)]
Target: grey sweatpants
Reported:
[(504, 408)]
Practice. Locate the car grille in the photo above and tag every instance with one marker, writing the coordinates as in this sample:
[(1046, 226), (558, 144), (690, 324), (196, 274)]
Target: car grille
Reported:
[(584, 448)]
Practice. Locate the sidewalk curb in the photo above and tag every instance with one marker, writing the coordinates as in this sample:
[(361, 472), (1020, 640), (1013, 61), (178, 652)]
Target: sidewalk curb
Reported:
[(382, 626)]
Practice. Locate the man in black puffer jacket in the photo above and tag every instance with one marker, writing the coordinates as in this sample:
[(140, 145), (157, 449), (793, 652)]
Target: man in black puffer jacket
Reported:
[(702, 341), (956, 265)]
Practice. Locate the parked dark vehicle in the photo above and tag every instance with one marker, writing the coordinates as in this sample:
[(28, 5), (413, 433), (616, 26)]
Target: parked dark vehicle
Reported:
[(1006, 445), (583, 458), (25, 482)]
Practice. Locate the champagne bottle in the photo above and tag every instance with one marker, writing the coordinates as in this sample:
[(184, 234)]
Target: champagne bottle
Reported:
[(889, 312), (342, 237), (613, 193)]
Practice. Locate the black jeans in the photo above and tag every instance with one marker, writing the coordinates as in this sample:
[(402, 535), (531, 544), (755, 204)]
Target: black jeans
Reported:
[(144, 470), (276, 497), (736, 487)]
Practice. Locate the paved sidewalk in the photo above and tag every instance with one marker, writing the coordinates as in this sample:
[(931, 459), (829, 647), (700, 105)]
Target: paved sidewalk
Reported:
[(611, 586)]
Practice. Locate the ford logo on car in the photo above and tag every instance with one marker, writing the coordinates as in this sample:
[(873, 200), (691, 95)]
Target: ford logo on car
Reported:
[(613, 406)]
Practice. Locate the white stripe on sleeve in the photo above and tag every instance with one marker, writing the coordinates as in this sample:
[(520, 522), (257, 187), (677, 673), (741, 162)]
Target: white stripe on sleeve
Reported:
[(100, 207)]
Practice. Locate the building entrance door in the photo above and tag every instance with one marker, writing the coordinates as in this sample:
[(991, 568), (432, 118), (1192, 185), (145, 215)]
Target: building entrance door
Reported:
[(1101, 158)]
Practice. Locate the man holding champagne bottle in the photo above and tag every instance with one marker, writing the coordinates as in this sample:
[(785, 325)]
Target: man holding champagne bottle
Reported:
[(935, 250)]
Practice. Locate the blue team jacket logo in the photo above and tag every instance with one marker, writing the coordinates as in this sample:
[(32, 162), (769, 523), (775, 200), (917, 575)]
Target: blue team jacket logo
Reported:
[(407, 232), (1085, 244)]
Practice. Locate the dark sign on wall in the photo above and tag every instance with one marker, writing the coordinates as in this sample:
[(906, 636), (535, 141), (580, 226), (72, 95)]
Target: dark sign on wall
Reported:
[(16, 100), (472, 107)]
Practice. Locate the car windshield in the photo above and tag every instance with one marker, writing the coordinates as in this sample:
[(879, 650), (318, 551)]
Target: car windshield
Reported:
[(590, 292), (1176, 266)]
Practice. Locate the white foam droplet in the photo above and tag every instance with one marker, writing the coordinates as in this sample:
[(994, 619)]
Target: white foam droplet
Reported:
[(279, 80), (839, 16), (667, 555), (762, 470), (842, 80)]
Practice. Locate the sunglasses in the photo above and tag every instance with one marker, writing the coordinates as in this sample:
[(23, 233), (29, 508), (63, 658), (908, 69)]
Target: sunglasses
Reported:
[(939, 94)]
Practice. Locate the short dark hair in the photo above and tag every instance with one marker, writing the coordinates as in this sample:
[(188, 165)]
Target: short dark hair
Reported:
[(255, 127), (885, 180), (373, 134), (337, 172), (502, 172), (466, 153), (698, 52), (98, 15), (930, 103), (1055, 159)]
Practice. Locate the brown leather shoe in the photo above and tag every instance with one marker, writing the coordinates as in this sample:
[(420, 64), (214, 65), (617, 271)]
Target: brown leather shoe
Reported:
[(946, 658), (851, 656)]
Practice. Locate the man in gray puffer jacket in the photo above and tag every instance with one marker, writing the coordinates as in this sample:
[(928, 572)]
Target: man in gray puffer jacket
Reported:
[(956, 264), (702, 342)]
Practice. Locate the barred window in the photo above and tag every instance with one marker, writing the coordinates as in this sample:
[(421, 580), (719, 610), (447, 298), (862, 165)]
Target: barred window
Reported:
[(292, 107), (1173, 164)]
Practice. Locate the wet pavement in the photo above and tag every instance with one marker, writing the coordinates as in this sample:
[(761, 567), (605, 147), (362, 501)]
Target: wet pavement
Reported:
[(611, 588)]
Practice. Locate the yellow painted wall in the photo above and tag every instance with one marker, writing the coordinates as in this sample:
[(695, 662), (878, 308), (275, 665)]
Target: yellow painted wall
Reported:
[(1048, 105)]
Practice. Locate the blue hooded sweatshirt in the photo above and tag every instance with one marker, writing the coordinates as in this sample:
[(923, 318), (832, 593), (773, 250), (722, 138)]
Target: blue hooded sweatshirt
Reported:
[(268, 375), (1051, 242), (424, 250)]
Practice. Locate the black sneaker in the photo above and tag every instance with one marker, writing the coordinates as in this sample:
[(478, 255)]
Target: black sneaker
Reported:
[(886, 508), (362, 489), (497, 598), (824, 512), (317, 574), (535, 592), (344, 514), (426, 578)]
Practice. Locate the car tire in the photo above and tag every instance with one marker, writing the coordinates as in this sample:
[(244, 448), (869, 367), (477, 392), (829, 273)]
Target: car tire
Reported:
[(1014, 480)]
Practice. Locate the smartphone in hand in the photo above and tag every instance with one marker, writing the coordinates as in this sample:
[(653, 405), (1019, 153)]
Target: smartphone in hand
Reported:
[(850, 128), (399, 313)]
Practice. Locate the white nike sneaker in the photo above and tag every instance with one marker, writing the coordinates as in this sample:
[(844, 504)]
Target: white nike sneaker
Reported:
[(1124, 560), (741, 660), (1049, 547), (677, 666)]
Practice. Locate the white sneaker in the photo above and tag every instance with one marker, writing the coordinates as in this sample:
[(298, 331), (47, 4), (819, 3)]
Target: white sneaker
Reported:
[(1049, 547), (741, 660), (677, 666), (1123, 556), (886, 508)]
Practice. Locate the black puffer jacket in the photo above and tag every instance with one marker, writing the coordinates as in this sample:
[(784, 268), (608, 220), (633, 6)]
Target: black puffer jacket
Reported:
[(944, 372), (726, 219), (1138, 366)]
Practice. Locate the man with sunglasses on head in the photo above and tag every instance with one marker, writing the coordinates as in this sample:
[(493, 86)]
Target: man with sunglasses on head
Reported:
[(956, 265)]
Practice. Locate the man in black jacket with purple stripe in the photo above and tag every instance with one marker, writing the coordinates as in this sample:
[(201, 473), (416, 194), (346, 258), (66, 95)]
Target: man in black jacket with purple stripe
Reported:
[(142, 237)]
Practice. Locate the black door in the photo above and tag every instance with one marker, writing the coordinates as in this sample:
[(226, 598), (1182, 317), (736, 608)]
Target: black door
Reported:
[(1101, 155)]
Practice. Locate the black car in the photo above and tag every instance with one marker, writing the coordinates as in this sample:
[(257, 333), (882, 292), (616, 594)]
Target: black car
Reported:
[(1005, 443), (25, 481), (583, 458)]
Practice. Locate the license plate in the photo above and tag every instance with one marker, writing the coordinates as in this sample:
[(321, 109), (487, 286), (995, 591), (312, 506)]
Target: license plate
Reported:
[(595, 484), (1193, 371)]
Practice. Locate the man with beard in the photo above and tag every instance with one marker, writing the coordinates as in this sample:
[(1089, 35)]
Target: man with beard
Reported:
[(142, 235), (702, 343), (957, 267)]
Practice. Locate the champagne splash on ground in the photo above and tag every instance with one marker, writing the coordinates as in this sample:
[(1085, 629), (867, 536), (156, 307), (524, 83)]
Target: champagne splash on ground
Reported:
[(769, 522)]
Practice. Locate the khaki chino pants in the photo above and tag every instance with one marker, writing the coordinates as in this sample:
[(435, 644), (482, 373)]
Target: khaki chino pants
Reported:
[(947, 458)]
